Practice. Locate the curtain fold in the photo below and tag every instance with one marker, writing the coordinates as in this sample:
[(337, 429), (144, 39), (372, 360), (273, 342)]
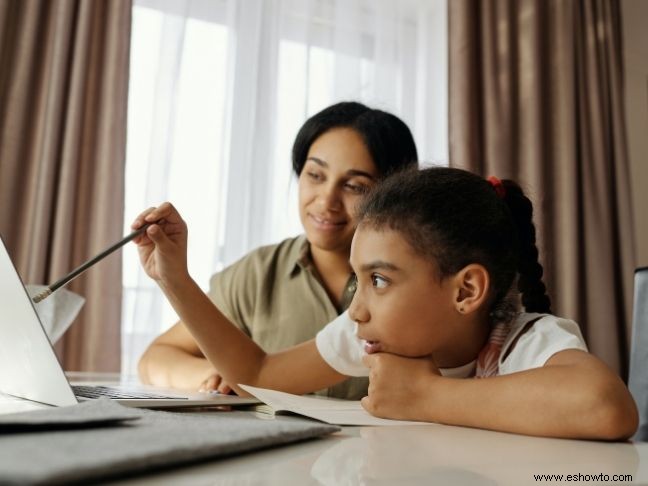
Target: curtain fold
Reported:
[(536, 96), (63, 96)]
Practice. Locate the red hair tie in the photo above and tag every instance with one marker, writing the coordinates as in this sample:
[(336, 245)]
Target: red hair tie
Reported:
[(500, 190)]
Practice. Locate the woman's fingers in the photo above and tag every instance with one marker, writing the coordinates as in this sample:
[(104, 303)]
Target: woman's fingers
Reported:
[(215, 383), (211, 383), (224, 388)]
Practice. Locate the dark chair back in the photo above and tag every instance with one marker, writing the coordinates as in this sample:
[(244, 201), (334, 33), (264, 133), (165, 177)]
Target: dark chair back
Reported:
[(638, 380)]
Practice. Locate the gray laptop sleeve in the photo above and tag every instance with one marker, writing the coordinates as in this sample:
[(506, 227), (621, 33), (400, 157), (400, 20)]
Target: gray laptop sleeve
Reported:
[(147, 440)]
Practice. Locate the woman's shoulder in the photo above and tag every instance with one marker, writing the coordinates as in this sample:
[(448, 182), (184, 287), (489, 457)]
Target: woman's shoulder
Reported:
[(265, 259), (272, 260), (287, 250)]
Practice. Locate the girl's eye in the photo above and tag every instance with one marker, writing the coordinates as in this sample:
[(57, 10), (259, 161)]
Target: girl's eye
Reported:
[(315, 176), (379, 282)]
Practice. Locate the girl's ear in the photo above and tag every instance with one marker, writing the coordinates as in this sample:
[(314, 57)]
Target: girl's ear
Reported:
[(472, 288)]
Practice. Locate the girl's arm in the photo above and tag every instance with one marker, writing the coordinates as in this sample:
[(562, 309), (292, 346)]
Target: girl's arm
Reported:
[(574, 395), (239, 360)]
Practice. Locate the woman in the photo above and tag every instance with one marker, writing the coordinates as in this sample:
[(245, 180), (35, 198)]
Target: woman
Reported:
[(282, 295)]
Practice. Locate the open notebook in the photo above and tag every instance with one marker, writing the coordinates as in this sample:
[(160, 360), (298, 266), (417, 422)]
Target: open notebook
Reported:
[(329, 410)]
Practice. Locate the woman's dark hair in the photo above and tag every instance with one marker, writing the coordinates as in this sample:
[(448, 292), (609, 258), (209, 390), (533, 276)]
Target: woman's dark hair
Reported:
[(457, 218), (389, 141)]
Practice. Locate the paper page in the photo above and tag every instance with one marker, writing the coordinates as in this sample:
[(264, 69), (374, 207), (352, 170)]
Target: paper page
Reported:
[(329, 410), (56, 312)]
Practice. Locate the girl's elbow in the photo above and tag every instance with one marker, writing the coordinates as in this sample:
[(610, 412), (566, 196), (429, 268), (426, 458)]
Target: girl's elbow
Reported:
[(619, 425), (617, 416)]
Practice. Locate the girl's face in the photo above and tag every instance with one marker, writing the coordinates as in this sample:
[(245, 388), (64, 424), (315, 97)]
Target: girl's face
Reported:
[(400, 304), (337, 172)]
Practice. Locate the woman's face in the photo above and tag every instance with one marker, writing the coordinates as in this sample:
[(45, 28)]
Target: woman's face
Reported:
[(337, 172)]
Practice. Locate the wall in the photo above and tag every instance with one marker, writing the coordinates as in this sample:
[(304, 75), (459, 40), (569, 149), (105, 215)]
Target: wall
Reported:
[(635, 42)]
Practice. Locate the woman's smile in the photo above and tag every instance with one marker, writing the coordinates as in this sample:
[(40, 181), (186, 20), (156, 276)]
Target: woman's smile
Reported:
[(327, 223)]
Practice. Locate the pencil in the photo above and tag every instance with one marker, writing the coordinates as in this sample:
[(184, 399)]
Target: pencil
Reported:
[(82, 268)]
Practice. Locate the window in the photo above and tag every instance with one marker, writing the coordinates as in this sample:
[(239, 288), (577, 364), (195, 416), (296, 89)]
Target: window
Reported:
[(218, 91)]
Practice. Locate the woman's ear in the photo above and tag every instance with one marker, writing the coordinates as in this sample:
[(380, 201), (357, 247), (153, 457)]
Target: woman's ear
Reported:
[(472, 285)]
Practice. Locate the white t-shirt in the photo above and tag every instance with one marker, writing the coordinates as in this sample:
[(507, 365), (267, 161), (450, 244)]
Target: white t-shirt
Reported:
[(343, 351)]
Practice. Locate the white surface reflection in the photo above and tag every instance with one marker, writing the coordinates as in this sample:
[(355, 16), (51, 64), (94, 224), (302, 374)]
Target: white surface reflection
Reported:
[(455, 455)]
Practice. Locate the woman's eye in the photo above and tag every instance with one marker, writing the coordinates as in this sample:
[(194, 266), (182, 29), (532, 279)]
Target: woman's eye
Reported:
[(379, 282), (315, 176), (357, 188)]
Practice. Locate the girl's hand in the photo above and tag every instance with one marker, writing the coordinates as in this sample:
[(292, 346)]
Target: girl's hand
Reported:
[(399, 388), (215, 382), (163, 247)]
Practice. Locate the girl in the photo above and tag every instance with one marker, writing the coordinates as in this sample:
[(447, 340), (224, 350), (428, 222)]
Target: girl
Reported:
[(283, 294), (437, 254)]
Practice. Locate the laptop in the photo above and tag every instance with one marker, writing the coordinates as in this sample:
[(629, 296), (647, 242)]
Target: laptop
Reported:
[(29, 367)]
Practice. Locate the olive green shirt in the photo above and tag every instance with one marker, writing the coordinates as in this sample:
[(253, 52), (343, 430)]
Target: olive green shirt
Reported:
[(276, 297)]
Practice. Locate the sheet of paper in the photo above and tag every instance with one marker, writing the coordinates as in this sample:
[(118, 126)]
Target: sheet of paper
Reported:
[(56, 312), (329, 410)]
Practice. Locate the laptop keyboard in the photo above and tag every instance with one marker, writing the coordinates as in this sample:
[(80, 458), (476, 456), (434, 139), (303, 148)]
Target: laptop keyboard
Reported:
[(115, 393)]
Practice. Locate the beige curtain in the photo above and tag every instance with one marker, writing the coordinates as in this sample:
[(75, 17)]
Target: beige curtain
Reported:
[(63, 93), (536, 96)]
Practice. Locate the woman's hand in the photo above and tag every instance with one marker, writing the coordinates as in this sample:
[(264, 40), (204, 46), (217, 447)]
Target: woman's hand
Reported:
[(215, 383), (399, 388), (163, 247)]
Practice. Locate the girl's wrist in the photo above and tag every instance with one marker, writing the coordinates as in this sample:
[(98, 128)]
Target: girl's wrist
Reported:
[(178, 284), (430, 391)]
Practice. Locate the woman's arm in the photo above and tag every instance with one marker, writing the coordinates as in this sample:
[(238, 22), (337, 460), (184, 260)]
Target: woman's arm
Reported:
[(163, 253), (574, 395), (174, 359)]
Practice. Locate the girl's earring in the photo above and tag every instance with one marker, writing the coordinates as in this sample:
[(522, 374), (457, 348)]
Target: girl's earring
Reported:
[(461, 310)]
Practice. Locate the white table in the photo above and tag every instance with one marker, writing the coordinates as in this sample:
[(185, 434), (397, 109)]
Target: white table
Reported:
[(411, 455)]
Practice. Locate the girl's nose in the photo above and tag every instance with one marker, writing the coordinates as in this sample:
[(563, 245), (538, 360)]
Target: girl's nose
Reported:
[(357, 311)]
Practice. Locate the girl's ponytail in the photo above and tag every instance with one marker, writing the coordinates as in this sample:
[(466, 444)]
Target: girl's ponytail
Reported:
[(530, 284)]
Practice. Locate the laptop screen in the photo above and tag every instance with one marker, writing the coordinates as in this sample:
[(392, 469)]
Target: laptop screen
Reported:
[(28, 366)]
